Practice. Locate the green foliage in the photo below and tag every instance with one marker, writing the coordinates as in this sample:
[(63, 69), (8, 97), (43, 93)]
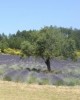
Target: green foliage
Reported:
[(59, 82), (15, 40), (48, 43), (45, 45), (12, 51), (44, 81), (72, 81), (31, 79), (78, 54), (1, 71), (27, 48), (69, 48), (3, 45), (7, 78), (75, 35)]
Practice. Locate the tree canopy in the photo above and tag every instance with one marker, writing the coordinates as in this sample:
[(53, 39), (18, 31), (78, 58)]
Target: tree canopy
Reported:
[(50, 43)]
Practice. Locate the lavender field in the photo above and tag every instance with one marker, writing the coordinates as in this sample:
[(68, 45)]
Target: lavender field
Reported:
[(33, 70)]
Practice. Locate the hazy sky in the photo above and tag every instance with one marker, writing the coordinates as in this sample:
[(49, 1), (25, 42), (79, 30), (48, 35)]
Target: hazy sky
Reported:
[(34, 14)]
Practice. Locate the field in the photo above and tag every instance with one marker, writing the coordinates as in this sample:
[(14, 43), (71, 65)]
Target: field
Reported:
[(33, 70), (19, 91), (22, 76)]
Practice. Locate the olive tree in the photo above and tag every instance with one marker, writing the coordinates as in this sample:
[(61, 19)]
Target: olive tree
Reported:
[(50, 43)]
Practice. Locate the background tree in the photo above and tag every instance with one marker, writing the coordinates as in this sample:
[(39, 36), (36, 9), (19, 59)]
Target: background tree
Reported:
[(69, 48), (3, 45), (75, 35)]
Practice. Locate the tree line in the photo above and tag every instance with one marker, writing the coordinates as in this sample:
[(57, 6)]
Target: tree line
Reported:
[(48, 42)]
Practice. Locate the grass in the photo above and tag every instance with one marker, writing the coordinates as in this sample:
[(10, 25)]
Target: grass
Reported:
[(21, 91)]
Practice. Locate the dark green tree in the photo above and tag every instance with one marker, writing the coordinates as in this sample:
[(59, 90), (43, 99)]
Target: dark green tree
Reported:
[(75, 35), (3, 45), (69, 48)]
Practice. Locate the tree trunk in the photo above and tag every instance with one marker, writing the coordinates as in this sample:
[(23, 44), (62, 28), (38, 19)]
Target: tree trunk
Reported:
[(48, 64)]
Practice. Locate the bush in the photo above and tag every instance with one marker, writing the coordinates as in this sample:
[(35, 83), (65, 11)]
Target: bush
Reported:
[(7, 78), (1, 71), (12, 51), (78, 53), (44, 81), (72, 81), (31, 80), (34, 80), (59, 82)]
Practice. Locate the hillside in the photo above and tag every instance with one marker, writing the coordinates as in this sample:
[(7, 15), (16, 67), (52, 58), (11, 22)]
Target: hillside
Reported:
[(19, 91)]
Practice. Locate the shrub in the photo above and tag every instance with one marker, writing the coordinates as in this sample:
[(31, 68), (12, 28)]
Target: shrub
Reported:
[(31, 79), (72, 81), (59, 82), (36, 70), (1, 71), (44, 81), (7, 78), (12, 51), (78, 53)]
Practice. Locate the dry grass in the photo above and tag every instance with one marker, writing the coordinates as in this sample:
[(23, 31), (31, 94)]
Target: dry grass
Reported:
[(19, 91)]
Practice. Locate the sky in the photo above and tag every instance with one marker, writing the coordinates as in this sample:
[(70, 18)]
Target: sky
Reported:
[(34, 14)]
